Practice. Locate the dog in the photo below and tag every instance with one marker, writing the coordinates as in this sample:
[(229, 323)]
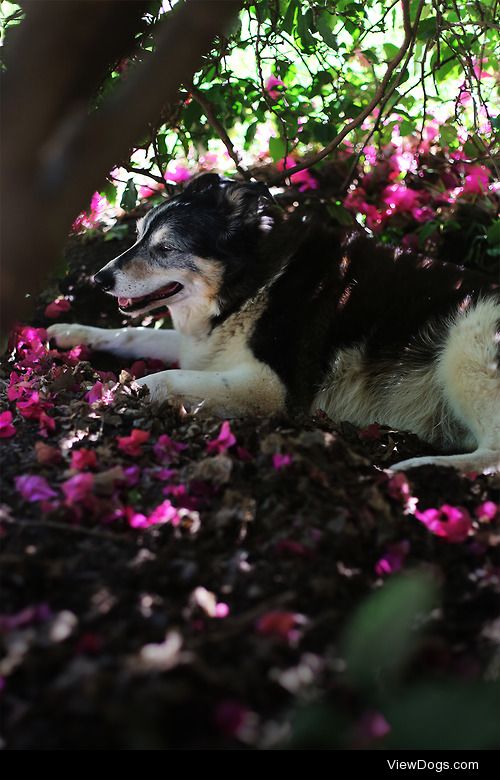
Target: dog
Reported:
[(273, 314)]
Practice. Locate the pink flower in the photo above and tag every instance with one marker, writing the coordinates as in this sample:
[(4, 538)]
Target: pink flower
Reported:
[(371, 726), (450, 522), (33, 407), (423, 214), (278, 623), (76, 354), (231, 717), (57, 307), (464, 97), (99, 393), (78, 488), (131, 445), (164, 513), (86, 220), (47, 424), (481, 74), (476, 180), (148, 190), (487, 511), (224, 440), (400, 198), (135, 519), (6, 428), (399, 489), (166, 449), (33, 488), (132, 475), (281, 461), (83, 459), (177, 173), (304, 180), (270, 86), (393, 559)]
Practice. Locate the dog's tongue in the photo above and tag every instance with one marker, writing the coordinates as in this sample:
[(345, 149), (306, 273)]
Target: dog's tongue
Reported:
[(125, 301)]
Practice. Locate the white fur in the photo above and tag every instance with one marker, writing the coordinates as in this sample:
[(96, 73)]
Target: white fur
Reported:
[(454, 402)]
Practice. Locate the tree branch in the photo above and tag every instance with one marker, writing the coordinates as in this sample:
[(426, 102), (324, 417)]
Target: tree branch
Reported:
[(217, 126), (380, 94)]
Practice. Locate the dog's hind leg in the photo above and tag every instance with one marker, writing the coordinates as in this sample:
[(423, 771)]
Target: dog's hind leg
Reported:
[(469, 373), (125, 342)]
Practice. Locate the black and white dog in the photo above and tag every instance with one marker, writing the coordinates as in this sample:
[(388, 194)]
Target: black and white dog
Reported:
[(271, 315)]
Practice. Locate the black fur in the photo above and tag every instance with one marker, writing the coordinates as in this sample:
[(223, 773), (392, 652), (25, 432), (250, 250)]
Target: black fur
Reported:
[(330, 292)]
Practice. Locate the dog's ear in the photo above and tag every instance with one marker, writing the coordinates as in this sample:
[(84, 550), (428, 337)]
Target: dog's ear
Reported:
[(204, 182), (249, 203)]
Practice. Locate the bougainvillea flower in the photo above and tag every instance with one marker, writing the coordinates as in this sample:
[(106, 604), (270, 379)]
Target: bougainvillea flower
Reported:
[(36, 613), (99, 393), (132, 475), (476, 180), (34, 488), (224, 440), (47, 424), (164, 513), (400, 198), (452, 523), (398, 488), (33, 407), (423, 214), (76, 354), (487, 511), (135, 519), (281, 461), (393, 559), (131, 445), (231, 717), (177, 173), (148, 190), (166, 449), (83, 459), (304, 180), (371, 432), (270, 86), (57, 307), (279, 623), (6, 428), (78, 488)]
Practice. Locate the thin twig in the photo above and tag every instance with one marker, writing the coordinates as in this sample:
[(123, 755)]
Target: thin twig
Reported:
[(216, 125), (380, 94)]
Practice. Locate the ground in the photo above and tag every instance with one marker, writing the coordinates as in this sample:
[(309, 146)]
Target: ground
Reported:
[(264, 585)]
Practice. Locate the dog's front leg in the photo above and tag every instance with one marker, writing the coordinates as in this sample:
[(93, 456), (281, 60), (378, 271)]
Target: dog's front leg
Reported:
[(125, 342), (234, 393)]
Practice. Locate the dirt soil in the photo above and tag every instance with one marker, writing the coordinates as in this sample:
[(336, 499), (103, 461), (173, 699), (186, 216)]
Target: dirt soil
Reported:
[(220, 623)]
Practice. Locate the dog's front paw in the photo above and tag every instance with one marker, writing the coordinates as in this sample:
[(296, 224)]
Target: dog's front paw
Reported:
[(157, 387), (67, 335)]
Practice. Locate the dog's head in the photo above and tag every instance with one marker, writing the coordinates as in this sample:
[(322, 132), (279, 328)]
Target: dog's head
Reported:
[(201, 246)]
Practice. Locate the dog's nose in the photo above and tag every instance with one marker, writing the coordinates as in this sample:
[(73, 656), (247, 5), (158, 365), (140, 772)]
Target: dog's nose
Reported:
[(105, 280)]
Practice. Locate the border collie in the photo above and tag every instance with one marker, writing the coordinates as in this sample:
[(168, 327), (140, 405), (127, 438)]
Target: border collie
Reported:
[(274, 314)]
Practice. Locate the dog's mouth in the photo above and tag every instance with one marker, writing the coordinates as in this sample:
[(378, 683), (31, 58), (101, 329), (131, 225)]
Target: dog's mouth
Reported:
[(153, 300)]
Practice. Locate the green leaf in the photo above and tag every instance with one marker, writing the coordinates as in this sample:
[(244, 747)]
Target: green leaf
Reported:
[(303, 28), (129, 197), (390, 50), (407, 127), (427, 29), (277, 148), (493, 234), (289, 18), (324, 30), (445, 716), (380, 638), (448, 134)]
